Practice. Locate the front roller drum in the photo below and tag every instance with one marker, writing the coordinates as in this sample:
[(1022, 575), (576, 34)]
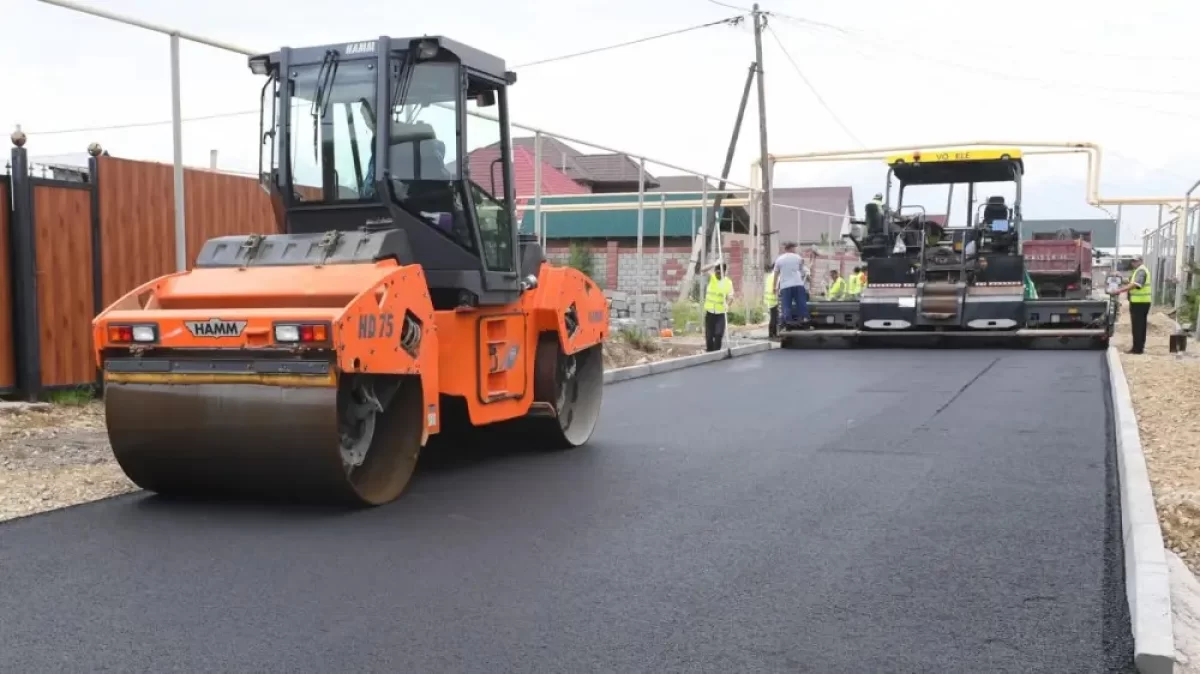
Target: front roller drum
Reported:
[(356, 444)]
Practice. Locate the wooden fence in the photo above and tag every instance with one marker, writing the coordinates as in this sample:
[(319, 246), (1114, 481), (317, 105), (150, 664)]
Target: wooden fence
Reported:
[(72, 248)]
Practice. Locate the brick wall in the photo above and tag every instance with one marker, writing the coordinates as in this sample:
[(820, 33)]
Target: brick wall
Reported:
[(616, 264)]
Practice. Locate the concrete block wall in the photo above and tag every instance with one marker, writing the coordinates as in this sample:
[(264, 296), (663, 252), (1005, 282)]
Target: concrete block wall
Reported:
[(617, 268)]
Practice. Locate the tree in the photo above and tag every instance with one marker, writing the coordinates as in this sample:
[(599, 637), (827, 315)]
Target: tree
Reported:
[(580, 257)]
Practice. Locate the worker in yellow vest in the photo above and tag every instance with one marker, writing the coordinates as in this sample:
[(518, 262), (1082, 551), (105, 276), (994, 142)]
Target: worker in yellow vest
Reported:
[(862, 278), (1140, 289), (771, 301), (716, 304), (837, 287), (854, 287)]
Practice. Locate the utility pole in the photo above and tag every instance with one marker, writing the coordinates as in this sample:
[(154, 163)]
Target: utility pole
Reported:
[(737, 127), (760, 21), (698, 240)]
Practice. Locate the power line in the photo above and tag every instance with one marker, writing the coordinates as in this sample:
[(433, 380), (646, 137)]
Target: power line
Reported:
[(813, 89), (732, 21), (139, 125), (729, 6), (865, 41), (1057, 50)]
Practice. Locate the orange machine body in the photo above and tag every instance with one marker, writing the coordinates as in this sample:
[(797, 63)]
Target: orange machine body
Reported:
[(373, 318)]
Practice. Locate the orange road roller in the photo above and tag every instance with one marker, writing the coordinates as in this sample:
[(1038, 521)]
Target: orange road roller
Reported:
[(401, 304)]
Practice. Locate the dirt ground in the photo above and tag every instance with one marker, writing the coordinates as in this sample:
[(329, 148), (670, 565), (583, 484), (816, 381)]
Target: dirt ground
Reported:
[(50, 459), (619, 353), (1166, 396), (60, 457)]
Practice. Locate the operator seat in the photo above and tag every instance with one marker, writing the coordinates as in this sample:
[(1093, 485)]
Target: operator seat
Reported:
[(995, 210)]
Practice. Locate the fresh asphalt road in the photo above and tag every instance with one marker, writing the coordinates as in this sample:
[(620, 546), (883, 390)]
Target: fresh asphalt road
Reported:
[(794, 511)]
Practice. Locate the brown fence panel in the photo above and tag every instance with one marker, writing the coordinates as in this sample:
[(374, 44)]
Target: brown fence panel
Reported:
[(137, 231), (8, 374), (63, 238), (218, 204), (137, 218)]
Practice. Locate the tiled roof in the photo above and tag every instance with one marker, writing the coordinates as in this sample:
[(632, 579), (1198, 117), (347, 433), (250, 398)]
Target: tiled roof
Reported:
[(585, 168), (555, 153), (553, 182), (612, 168)]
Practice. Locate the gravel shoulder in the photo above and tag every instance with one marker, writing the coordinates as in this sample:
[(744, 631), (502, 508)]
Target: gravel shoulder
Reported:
[(56, 458), (60, 457), (1164, 389)]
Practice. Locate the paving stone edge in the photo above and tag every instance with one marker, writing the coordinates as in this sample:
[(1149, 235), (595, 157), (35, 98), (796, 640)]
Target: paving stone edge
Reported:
[(1147, 584), (672, 364)]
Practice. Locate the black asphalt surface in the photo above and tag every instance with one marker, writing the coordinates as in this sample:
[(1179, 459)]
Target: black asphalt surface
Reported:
[(828, 512)]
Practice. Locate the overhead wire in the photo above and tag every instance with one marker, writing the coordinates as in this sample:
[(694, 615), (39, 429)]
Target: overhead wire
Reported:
[(1137, 56), (224, 115), (139, 124), (729, 6), (734, 20), (865, 41), (813, 89)]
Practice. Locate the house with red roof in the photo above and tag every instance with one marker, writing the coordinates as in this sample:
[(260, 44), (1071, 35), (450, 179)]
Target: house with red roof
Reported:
[(570, 176)]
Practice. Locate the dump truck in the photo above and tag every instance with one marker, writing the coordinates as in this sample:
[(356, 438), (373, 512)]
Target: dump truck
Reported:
[(1060, 263), (399, 306), (934, 283)]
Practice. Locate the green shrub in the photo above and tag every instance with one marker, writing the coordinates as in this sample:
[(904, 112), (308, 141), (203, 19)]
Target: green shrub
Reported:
[(581, 258), (81, 395), (686, 316), (638, 337), (740, 315)]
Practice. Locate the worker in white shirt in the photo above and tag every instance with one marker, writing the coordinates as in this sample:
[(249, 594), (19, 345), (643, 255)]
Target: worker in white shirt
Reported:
[(789, 286)]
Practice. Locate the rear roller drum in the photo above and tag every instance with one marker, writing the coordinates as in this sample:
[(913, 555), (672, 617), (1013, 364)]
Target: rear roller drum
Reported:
[(574, 386)]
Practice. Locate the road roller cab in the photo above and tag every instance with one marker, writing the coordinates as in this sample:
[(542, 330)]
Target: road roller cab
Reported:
[(398, 305)]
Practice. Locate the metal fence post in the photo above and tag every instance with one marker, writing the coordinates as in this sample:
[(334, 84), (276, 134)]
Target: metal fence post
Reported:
[(662, 236), (23, 253), (181, 259), (537, 188), (94, 151), (641, 226)]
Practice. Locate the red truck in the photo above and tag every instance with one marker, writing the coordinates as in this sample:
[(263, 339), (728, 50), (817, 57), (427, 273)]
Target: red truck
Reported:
[(1060, 263)]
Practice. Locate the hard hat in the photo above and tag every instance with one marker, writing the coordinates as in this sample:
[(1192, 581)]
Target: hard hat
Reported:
[(879, 196)]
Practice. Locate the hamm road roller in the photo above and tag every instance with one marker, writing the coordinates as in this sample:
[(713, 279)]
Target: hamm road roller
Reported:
[(400, 305), (937, 282)]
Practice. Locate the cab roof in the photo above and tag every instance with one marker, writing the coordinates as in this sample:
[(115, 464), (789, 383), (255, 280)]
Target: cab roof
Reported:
[(967, 165), (470, 57)]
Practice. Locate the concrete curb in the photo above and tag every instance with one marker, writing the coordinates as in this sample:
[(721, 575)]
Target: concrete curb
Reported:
[(1147, 581), (672, 364)]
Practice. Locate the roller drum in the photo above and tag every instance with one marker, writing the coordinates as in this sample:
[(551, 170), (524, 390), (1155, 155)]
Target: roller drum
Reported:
[(257, 441)]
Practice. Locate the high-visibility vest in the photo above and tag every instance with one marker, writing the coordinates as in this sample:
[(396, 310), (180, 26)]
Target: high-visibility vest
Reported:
[(1141, 295), (854, 284), (769, 297), (835, 291), (862, 280), (717, 293)]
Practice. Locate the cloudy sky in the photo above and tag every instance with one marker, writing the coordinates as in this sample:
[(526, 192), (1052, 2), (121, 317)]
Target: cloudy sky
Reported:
[(882, 73)]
